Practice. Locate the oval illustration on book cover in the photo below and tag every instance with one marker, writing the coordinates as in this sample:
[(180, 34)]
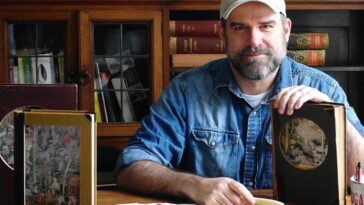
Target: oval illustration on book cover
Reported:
[(303, 143)]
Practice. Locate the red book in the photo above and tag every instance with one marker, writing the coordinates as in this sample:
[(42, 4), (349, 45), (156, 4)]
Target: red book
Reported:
[(183, 45), (308, 57), (194, 28), (51, 96)]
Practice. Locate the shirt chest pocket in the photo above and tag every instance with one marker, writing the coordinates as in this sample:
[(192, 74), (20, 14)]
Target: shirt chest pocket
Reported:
[(213, 138), (214, 152)]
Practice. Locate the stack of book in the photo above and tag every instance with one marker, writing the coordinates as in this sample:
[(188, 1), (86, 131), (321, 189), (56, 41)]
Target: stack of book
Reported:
[(194, 43), (308, 48)]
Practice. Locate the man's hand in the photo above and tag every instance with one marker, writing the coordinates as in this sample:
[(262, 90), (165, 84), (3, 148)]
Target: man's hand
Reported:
[(292, 98), (222, 190)]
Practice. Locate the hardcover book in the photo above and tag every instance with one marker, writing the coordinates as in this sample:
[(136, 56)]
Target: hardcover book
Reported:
[(197, 45), (15, 96), (21, 70), (308, 57), (55, 153), (123, 99), (43, 69), (309, 154), (308, 41), (205, 28)]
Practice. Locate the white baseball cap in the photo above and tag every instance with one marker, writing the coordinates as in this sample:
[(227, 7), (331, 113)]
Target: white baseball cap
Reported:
[(227, 6)]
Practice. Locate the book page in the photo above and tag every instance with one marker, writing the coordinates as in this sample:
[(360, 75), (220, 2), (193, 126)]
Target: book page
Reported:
[(258, 201)]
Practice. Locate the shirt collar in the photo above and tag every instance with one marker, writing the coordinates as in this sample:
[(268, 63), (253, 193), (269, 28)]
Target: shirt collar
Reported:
[(224, 79), (284, 77)]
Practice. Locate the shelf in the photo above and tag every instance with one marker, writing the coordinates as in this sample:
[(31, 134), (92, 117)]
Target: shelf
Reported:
[(110, 129), (341, 68)]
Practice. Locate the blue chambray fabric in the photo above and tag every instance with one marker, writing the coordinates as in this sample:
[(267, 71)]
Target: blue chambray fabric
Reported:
[(202, 124)]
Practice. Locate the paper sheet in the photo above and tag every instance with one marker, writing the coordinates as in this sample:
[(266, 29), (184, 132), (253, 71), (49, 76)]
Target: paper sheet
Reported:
[(259, 201)]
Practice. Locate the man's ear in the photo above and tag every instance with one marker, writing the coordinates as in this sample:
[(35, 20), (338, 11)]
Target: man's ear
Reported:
[(287, 28), (221, 30)]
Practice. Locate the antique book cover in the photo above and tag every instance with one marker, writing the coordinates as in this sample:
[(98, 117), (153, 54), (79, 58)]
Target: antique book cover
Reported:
[(309, 154), (55, 156), (308, 41), (204, 28), (308, 57), (181, 44), (14, 96)]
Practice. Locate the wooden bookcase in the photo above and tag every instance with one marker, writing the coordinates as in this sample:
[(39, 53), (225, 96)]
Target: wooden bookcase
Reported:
[(342, 19)]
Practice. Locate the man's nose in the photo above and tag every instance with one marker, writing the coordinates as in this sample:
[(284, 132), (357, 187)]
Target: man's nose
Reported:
[(254, 38)]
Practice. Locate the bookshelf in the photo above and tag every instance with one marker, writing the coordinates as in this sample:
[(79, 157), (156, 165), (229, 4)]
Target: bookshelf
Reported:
[(93, 32)]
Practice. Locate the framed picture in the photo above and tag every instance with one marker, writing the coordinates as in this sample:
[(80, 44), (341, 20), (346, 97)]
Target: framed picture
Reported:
[(55, 157)]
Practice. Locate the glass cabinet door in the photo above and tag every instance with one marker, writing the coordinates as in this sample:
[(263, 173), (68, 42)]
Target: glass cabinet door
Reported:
[(36, 53), (125, 55), (122, 70), (39, 48)]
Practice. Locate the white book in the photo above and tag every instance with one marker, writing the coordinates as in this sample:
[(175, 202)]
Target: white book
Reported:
[(123, 99), (16, 75), (44, 72)]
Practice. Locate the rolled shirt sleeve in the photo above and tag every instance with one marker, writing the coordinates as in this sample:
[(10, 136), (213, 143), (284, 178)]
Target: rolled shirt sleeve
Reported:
[(161, 137)]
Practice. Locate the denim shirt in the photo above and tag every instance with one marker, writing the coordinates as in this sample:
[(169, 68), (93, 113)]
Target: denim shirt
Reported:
[(202, 124)]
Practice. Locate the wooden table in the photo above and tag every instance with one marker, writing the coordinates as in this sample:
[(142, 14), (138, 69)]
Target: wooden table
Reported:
[(111, 197)]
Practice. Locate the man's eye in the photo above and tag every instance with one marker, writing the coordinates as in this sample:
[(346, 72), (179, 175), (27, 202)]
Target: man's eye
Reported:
[(239, 27), (267, 26)]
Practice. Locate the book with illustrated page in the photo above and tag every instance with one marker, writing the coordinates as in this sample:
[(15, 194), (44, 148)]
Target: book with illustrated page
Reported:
[(17, 96), (309, 154), (55, 156)]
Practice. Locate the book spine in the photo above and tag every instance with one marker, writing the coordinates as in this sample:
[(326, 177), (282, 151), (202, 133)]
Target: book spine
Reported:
[(11, 71), (99, 86), (196, 45), (16, 74), (97, 105), (193, 60), (61, 69), (308, 41), (57, 78), (308, 57), (194, 28), (27, 71), (21, 70), (109, 109)]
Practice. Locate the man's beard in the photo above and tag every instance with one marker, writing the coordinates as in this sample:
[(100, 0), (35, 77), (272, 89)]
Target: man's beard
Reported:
[(256, 68)]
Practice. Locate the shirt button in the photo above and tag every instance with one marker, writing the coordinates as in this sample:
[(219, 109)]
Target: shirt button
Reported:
[(253, 147), (213, 144), (250, 183), (254, 113)]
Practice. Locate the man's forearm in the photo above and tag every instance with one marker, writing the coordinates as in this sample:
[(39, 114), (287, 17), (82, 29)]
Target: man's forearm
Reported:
[(152, 178)]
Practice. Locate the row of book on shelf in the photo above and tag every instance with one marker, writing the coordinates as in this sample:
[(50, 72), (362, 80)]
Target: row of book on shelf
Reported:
[(118, 92), (50, 69), (196, 42)]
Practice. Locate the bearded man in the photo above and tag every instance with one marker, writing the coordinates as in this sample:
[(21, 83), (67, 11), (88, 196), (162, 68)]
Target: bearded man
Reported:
[(208, 137)]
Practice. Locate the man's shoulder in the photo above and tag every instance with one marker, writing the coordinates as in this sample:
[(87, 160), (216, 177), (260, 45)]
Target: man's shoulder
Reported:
[(303, 71), (208, 69)]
